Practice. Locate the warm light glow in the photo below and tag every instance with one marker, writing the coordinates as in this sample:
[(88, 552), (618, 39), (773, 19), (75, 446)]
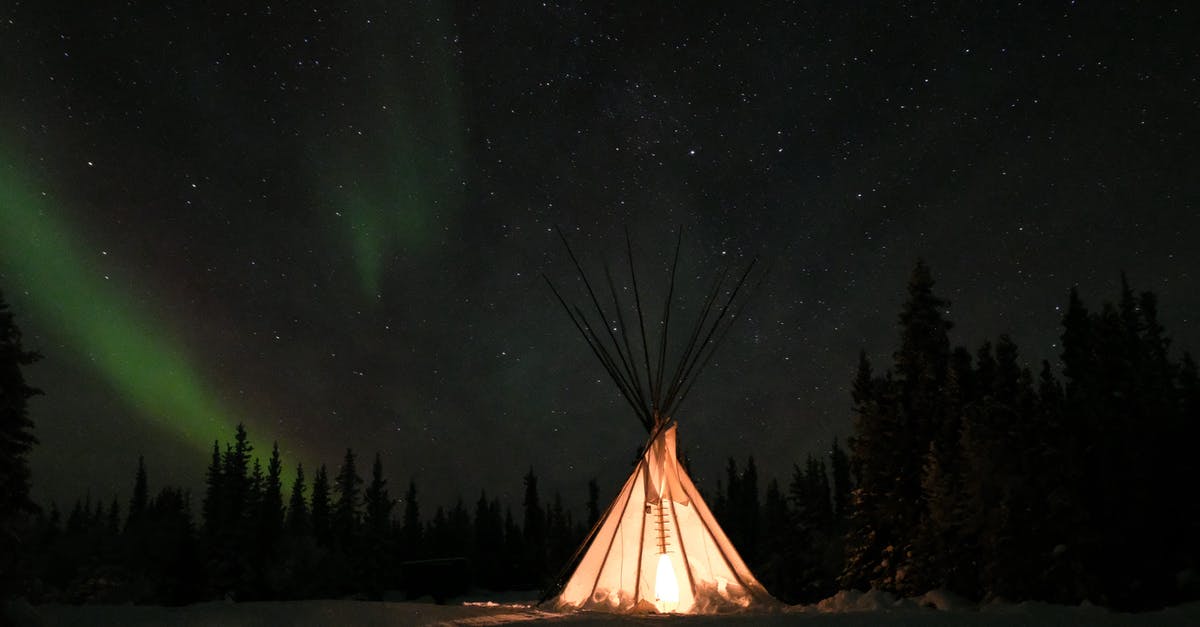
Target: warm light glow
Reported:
[(666, 589)]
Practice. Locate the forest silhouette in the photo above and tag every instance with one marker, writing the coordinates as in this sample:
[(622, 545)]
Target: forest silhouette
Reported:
[(965, 471)]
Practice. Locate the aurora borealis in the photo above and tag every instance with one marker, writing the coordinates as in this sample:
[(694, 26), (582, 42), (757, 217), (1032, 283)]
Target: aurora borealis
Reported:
[(330, 223), (407, 169), (124, 346)]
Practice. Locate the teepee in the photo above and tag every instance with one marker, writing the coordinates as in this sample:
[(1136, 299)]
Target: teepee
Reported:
[(657, 548)]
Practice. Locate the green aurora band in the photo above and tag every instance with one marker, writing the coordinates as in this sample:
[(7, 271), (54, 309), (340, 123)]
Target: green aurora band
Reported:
[(383, 216), (399, 181), (137, 359)]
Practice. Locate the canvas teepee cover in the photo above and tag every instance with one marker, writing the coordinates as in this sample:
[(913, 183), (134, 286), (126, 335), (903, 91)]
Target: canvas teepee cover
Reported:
[(658, 548)]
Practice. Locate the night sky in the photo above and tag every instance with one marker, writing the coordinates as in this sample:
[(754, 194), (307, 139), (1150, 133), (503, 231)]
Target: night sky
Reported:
[(331, 223)]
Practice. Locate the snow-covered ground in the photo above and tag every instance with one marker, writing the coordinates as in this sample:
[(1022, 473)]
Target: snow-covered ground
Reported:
[(845, 610)]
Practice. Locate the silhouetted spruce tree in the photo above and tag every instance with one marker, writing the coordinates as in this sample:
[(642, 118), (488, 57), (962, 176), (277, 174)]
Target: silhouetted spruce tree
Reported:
[(264, 524), (107, 570), (983, 444), (16, 442), (780, 547), (921, 367), (804, 526), (137, 502), (488, 545), (1189, 465), (1079, 350), (1059, 479), (1027, 490), (254, 493), (737, 508), (1079, 540), (437, 534), (1157, 373), (560, 538), (214, 495), (1159, 457), (459, 521), (946, 555), (51, 559), (945, 544), (896, 420), (841, 487), (1097, 367), (75, 547), (114, 518), (298, 523), (321, 526), (112, 549), (136, 553), (172, 570), (727, 503), (410, 532), (377, 502), (271, 516), (340, 568), (812, 525), (256, 485), (1189, 389), (1163, 396), (534, 529), (593, 503), (228, 545), (78, 519), (291, 575), (71, 552), (1136, 431), (1126, 544), (251, 553), (377, 548), (720, 507), (869, 538), (817, 479), (749, 508), (998, 441), (512, 560), (345, 509), (236, 479)]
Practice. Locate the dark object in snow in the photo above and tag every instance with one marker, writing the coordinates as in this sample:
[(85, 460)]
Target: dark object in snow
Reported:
[(441, 578)]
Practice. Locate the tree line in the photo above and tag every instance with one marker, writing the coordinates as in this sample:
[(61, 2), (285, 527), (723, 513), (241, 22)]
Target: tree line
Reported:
[(974, 474), (965, 471), (340, 535), (791, 539), (333, 535)]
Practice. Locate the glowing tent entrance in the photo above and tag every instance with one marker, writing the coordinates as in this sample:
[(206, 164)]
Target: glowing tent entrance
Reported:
[(658, 548)]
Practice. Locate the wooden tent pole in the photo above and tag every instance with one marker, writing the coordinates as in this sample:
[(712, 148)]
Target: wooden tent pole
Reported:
[(666, 324)]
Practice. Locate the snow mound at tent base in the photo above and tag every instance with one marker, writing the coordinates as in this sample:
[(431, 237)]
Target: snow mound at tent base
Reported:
[(869, 601)]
